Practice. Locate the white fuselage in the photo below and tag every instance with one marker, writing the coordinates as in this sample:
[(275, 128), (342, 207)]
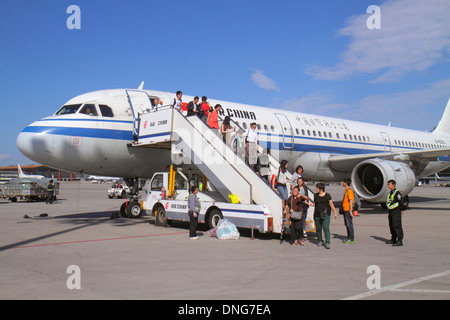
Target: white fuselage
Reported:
[(100, 144)]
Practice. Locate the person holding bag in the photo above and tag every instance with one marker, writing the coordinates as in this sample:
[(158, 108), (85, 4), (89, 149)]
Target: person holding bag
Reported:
[(294, 212), (322, 212)]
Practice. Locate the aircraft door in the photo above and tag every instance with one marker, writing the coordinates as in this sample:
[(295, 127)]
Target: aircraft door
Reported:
[(139, 102), (286, 129), (386, 142)]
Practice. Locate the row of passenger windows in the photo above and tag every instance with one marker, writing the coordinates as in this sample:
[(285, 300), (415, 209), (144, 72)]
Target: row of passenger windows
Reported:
[(418, 144), (88, 108), (313, 133), (350, 137)]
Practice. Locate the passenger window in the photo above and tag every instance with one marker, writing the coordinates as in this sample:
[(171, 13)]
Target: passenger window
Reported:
[(272, 128), (266, 128), (106, 111), (68, 109), (89, 109), (337, 135), (303, 131), (157, 183)]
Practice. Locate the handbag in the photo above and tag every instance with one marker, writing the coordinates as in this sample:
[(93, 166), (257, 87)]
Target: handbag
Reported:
[(296, 215)]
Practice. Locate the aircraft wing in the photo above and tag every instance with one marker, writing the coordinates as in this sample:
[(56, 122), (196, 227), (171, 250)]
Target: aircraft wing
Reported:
[(348, 162)]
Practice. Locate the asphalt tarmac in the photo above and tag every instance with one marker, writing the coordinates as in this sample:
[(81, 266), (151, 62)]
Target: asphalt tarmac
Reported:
[(79, 252)]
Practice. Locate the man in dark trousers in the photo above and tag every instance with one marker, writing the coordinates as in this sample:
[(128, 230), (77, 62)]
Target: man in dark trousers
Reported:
[(395, 206), (50, 192), (193, 211)]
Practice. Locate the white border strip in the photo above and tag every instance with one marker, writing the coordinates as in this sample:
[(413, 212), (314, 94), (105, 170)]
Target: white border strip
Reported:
[(394, 287)]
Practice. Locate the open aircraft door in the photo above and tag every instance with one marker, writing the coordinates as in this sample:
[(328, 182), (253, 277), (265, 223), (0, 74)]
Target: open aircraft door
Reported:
[(286, 130), (386, 141), (139, 101)]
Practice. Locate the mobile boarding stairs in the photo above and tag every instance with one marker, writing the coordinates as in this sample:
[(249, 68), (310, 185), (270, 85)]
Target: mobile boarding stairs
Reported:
[(194, 143)]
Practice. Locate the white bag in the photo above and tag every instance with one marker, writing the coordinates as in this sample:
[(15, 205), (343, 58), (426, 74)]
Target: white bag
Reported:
[(226, 230)]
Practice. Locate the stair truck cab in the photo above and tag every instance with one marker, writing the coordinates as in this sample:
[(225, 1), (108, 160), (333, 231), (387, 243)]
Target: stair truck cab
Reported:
[(167, 194)]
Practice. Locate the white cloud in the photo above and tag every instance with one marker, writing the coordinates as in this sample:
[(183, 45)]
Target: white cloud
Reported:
[(262, 81), (414, 35), (4, 156), (418, 109)]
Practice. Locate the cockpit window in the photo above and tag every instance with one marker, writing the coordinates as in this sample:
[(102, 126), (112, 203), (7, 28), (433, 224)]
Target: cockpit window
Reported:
[(68, 109), (89, 109), (106, 111)]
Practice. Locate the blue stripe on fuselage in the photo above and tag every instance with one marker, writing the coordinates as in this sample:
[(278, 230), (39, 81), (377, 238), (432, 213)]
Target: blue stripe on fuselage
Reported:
[(83, 132), (127, 135)]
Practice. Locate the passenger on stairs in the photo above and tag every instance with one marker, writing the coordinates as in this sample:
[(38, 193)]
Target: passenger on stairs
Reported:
[(205, 107), (226, 130), (281, 179), (192, 107), (213, 117), (177, 102), (251, 138), (238, 144)]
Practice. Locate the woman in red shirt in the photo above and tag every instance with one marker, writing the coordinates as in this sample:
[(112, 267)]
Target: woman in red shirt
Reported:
[(213, 116)]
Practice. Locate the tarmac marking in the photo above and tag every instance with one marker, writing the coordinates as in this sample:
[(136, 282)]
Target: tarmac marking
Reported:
[(98, 240), (397, 287)]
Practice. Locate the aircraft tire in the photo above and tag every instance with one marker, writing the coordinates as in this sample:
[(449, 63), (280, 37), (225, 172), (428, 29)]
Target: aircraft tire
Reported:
[(133, 210), (123, 211)]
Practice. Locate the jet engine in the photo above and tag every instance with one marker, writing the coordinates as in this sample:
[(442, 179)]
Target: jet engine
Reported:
[(370, 177)]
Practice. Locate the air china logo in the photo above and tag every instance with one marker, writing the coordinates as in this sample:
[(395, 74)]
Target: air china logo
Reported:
[(167, 205), (145, 124)]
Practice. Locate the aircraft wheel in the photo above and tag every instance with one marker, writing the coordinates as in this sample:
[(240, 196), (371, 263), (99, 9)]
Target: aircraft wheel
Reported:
[(123, 212), (133, 209)]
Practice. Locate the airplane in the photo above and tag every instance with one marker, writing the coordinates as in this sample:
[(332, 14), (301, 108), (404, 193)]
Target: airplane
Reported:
[(23, 175), (103, 178), (93, 133)]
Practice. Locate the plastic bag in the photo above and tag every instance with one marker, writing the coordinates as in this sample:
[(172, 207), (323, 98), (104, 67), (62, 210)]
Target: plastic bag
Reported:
[(212, 232), (226, 230)]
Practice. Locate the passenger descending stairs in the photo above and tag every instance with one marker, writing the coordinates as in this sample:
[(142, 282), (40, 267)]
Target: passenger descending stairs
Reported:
[(202, 147)]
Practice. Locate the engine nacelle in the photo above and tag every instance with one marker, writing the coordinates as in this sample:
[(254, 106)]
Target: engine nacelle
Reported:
[(370, 177)]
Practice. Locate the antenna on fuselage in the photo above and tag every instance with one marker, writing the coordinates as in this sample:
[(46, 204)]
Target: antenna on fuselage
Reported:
[(141, 86)]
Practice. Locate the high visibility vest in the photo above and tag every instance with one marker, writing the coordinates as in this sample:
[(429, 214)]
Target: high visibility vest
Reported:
[(198, 206), (390, 200)]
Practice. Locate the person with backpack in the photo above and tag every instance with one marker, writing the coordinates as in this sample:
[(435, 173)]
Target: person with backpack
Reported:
[(282, 180), (347, 210)]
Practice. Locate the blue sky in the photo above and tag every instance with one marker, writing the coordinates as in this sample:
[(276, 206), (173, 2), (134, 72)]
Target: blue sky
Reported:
[(311, 56)]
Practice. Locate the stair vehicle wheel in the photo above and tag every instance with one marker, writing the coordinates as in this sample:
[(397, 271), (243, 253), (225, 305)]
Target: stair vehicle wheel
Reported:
[(160, 219), (213, 218), (133, 210)]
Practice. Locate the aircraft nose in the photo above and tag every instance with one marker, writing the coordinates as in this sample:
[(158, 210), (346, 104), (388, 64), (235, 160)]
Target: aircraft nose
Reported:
[(36, 142)]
